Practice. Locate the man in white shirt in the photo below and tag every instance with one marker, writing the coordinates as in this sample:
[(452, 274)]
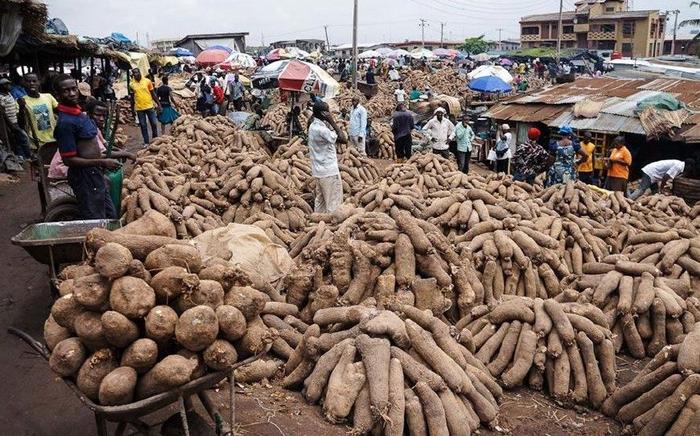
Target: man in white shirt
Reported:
[(324, 160), (400, 94), (440, 130), (358, 126), (659, 173), (394, 74)]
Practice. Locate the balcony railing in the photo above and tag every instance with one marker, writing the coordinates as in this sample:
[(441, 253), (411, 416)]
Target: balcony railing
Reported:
[(601, 36)]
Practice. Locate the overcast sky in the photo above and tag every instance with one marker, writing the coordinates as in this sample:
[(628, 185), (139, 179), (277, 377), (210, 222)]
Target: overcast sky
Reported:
[(271, 20)]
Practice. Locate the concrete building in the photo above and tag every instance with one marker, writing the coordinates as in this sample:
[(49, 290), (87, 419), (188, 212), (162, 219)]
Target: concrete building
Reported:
[(309, 45), (198, 43), (504, 45), (430, 45), (684, 44), (163, 45), (598, 25), (345, 50)]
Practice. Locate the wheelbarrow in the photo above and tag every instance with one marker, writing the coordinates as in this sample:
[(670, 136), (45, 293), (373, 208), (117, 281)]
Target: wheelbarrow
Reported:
[(131, 414), (58, 243)]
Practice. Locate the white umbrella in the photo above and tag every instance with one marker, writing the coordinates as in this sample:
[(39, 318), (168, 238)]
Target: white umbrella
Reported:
[(420, 53), (491, 70), (242, 60), (481, 57), (384, 51), (298, 53), (398, 53), (368, 54)]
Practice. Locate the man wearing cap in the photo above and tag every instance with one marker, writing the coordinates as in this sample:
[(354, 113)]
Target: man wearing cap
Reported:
[(504, 150), (465, 136), (530, 158), (440, 130), (324, 160), (358, 126)]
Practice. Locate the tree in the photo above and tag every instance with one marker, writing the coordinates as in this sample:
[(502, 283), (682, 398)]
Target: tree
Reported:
[(475, 45), (695, 22)]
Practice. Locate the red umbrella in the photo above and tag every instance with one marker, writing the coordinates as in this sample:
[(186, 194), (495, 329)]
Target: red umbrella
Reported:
[(212, 56)]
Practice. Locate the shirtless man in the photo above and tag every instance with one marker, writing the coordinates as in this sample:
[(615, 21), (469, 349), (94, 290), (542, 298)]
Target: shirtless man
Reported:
[(76, 135)]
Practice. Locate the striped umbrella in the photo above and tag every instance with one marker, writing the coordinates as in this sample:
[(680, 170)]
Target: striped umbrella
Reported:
[(295, 75)]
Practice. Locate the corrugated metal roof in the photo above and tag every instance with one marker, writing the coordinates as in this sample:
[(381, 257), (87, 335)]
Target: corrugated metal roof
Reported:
[(604, 123), (529, 113), (692, 135), (627, 106), (566, 15)]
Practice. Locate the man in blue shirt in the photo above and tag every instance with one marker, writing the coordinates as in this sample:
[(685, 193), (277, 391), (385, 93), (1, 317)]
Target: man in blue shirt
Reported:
[(76, 135)]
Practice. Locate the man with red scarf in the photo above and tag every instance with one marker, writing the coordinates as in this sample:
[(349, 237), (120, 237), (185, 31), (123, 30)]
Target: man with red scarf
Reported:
[(76, 135)]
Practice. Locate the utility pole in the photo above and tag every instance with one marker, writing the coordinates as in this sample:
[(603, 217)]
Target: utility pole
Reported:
[(354, 45), (442, 34), (328, 44), (500, 45), (422, 31), (675, 29), (262, 39), (559, 30)]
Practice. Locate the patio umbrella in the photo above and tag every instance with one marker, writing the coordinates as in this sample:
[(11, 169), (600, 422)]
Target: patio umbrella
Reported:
[(491, 70), (399, 53), (295, 75), (420, 53), (489, 84), (481, 57), (506, 62), (241, 60), (384, 51), (211, 56), (444, 53), (298, 53), (277, 54), (179, 51), (221, 47), (368, 54)]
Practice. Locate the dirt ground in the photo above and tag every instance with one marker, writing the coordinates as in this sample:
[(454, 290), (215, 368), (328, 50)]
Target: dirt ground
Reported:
[(36, 403)]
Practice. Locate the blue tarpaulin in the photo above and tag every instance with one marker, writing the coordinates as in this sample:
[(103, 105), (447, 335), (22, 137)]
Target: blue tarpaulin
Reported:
[(120, 38), (489, 84), (179, 51)]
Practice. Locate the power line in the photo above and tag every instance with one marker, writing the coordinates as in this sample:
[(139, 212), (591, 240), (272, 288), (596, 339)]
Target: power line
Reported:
[(422, 31)]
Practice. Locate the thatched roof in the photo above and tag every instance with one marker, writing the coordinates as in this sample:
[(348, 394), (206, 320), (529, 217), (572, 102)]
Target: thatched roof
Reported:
[(34, 14)]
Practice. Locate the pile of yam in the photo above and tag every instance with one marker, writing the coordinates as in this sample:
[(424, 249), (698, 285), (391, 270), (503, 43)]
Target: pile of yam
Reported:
[(390, 374), (146, 315), (275, 118), (555, 344), (388, 258), (664, 398)]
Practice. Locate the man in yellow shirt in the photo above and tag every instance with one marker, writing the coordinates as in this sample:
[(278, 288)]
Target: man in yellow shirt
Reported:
[(145, 102), (585, 169), (38, 109), (618, 165)]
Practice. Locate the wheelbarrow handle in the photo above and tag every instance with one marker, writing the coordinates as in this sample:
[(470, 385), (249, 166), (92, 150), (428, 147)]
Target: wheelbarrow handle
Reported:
[(38, 346)]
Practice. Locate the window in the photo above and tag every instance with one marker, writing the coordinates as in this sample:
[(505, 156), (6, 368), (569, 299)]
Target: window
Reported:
[(531, 30), (610, 9), (607, 28), (568, 29), (628, 29)]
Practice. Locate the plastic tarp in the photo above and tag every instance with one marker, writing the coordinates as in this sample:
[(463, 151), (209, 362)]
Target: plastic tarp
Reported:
[(660, 101), (120, 38), (10, 28), (56, 26), (140, 61), (248, 247)]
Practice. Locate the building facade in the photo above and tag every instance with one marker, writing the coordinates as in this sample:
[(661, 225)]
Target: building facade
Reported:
[(163, 45), (504, 45), (309, 45), (598, 25), (198, 43), (430, 45)]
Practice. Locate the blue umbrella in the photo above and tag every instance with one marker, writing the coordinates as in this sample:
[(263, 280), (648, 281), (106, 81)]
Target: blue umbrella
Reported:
[(489, 84)]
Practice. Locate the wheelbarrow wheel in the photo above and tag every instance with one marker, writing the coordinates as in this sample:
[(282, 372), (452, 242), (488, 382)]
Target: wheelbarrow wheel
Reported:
[(62, 212)]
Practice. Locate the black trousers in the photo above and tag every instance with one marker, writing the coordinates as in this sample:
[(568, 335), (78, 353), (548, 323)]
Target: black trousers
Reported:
[(443, 153), (90, 189), (463, 158), (586, 177), (502, 165), (403, 147)]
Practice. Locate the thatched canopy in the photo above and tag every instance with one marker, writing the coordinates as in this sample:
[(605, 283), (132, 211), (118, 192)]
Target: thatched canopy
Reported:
[(34, 14)]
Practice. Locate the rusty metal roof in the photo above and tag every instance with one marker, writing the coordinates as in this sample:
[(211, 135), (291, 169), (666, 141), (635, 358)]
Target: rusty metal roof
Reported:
[(554, 106)]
